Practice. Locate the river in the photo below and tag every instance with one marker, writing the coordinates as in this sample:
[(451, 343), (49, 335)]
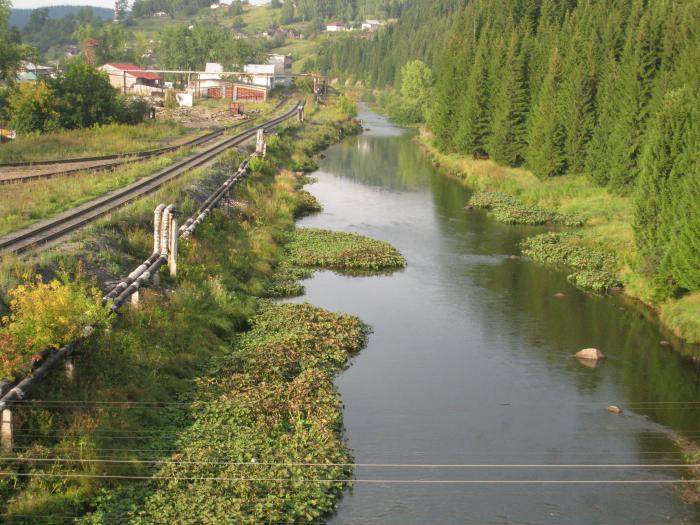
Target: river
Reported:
[(470, 362)]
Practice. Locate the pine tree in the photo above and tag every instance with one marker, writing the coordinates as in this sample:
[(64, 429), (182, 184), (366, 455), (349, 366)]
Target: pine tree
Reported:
[(545, 154), (598, 154), (473, 116), (662, 170), (576, 102), (639, 65), (510, 108)]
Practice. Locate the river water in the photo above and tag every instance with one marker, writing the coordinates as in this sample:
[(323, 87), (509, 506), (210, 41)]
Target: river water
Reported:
[(470, 362)]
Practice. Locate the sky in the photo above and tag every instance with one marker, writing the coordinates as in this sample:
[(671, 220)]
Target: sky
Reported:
[(33, 4)]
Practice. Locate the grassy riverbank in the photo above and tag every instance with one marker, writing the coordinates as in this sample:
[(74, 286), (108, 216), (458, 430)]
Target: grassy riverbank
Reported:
[(173, 389), (606, 231)]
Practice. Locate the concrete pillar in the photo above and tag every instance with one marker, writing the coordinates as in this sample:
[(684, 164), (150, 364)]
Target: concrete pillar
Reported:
[(260, 142), (6, 438), (172, 253), (136, 299), (300, 113), (70, 369), (156, 279)]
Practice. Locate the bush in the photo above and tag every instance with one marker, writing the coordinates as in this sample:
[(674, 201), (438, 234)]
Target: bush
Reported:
[(46, 316), (33, 108), (170, 99), (81, 97)]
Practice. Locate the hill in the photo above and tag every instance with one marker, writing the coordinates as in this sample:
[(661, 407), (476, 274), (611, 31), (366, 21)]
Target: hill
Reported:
[(20, 17)]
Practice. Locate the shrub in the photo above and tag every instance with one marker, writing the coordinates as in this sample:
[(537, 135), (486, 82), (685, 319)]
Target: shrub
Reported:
[(170, 99), (33, 108), (47, 316), (132, 110)]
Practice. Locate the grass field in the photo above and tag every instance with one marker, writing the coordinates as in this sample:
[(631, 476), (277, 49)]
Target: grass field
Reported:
[(25, 204), (103, 140)]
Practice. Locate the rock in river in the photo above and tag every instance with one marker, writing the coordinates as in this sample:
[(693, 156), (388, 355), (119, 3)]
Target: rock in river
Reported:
[(591, 354)]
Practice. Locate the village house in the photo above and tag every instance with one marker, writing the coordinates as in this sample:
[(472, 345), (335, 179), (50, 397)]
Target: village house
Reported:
[(371, 25), (130, 78), (31, 72), (333, 27)]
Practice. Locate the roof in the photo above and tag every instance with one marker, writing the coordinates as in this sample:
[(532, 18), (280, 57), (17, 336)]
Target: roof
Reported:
[(134, 71), (337, 24)]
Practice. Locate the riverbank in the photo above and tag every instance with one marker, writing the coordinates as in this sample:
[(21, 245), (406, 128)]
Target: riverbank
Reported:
[(155, 387), (607, 226)]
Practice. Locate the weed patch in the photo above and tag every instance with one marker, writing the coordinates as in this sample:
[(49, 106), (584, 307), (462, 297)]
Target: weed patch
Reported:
[(595, 267), (506, 208), (343, 252)]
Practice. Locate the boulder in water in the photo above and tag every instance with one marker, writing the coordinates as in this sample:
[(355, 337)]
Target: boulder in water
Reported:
[(615, 409), (590, 354)]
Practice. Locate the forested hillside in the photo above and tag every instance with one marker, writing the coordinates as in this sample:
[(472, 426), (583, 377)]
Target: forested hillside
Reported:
[(20, 17), (347, 10), (607, 88)]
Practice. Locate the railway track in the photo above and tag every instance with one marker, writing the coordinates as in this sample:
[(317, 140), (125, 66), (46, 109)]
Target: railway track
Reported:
[(47, 169), (67, 222)]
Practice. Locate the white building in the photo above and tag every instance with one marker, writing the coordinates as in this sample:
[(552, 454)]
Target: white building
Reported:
[(333, 27), (371, 25), (261, 74), (283, 68)]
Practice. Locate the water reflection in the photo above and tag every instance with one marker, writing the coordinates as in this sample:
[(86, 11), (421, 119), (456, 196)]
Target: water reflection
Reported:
[(471, 361)]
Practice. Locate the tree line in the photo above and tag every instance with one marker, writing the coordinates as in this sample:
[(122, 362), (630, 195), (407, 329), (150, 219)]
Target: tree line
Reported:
[(609, 89)]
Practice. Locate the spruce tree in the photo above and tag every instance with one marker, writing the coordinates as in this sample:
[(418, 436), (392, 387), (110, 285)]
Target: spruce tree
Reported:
[(662, 170), (508, 140), (639, 65), (473, 117), (575, 102), (545, 154)]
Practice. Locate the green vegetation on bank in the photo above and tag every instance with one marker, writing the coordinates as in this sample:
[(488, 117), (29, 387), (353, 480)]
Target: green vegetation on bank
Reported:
[(506, 208), (343, 252), (602, 95), (263, 414), (595, 268), (190, 386)]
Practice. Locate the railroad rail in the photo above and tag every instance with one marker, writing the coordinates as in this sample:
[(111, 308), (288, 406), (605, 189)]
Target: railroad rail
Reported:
[(67, 222), (109, 162)]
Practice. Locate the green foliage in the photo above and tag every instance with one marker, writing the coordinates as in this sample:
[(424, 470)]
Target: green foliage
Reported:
[(545, 155), (11, 49), (264, 408), (416, 84), (347, 107), (170, 99), (343, 252), (595, 268), (80, 97), (47, 316), (32, 107), (507, 209), (179, 47), (667, 207)]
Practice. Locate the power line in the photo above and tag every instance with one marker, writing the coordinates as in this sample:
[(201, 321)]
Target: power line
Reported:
[(363, 465), (368, 481)]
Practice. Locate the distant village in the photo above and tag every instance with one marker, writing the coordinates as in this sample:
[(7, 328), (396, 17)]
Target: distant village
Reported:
[(253, 83)]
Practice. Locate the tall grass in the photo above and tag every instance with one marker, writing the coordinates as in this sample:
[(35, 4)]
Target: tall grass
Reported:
[(25, 204), (100, 140)]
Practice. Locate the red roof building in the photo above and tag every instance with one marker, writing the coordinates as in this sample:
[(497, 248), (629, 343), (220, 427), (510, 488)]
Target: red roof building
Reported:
[(130, 78)]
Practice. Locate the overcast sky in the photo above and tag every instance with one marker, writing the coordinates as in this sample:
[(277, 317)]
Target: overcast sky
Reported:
[(32, 4)]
